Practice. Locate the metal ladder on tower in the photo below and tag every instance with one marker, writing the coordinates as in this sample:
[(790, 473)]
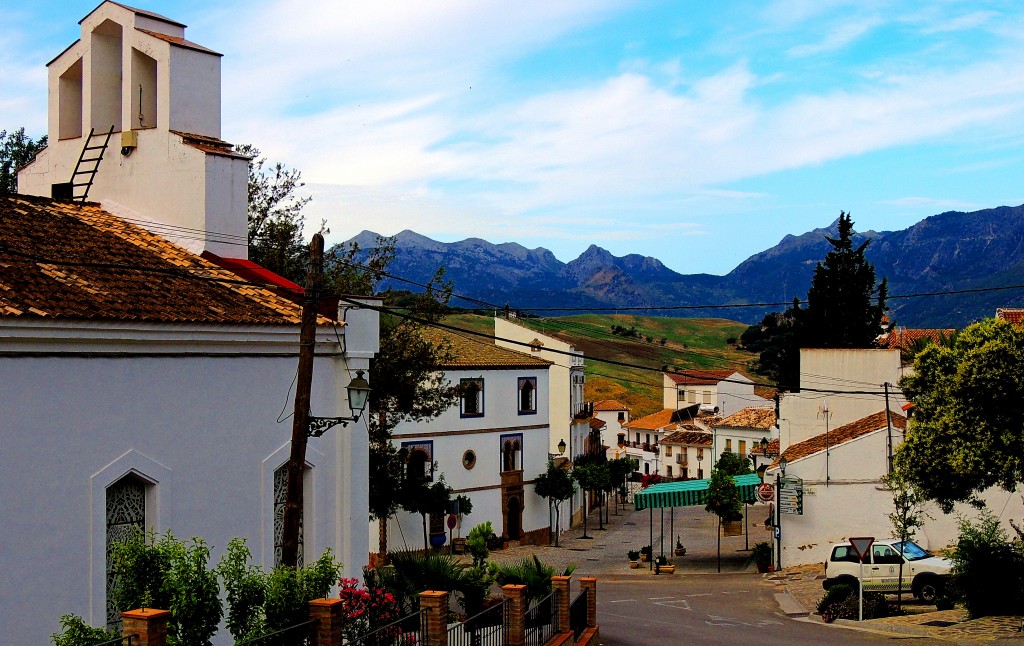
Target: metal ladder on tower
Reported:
[(88, 166)]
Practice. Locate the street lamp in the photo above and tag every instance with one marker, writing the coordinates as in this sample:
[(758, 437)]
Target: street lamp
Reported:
[(358, 392), (561, 447), (778, 509)]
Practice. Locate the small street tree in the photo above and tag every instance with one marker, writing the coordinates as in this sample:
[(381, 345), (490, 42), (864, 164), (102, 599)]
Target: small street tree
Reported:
[(723, 500), (589, 478), (620, 469), (968, 406), (906, 517), (420, 496), (557, 486), (733, 464)]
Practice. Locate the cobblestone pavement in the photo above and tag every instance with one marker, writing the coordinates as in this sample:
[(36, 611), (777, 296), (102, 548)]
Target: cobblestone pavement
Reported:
[(804, 584)]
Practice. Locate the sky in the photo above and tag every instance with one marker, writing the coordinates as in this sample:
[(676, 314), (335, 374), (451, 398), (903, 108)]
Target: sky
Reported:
[(696, 132)]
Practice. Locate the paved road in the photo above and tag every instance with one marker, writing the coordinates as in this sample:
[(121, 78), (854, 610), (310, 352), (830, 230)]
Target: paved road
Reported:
[(695, 605), (735, 609)]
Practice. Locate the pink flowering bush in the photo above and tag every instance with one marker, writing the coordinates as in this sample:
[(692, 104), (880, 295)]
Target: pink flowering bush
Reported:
[(365, 609)]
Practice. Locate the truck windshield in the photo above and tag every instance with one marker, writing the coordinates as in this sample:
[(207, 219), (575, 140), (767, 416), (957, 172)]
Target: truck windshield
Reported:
[(911, 550)]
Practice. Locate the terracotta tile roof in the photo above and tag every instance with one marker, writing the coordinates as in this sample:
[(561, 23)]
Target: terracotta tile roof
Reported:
[(689, 438), (842, 434), (69, 261), (700, 377), (667, 419), (178, 41), (773, 448), (471, 352), (903, 338), (609, 405), (210, 145), (752, 417), (597, 423), (1012, 314)]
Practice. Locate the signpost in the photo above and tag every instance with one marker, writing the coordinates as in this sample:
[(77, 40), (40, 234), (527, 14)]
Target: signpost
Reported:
[(862, 546), (766, 492), (791, 496)]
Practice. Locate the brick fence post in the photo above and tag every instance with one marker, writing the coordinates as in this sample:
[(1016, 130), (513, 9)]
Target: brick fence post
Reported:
[(515, 596), (434, 605), (590, 584), (146, 625), (561, 585), (328, 631)]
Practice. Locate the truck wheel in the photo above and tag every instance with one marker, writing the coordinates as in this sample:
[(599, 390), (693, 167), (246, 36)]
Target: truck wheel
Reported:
[(928, 590)]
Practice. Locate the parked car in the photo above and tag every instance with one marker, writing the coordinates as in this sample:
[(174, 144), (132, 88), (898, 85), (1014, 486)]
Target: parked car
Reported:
[(924, 575)]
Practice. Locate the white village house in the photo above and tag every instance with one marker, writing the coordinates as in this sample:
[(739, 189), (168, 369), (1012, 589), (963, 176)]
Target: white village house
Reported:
[(722, 392), (143, 385), (841, 465), (490, 446)]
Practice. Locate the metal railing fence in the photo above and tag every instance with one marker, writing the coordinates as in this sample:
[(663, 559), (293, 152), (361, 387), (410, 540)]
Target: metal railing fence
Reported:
[(297, 635), (578, 613), (125, 640), (407, 631), (487, 628), (541, 621)]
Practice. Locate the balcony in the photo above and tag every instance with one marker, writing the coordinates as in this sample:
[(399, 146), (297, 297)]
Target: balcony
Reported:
[(681, 459)]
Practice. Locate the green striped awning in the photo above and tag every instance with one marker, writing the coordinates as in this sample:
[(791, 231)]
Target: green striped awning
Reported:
[(685, 493)]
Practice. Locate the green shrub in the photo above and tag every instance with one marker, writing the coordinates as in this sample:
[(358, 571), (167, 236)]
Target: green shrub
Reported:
[(75, 632), (477, 541), (164, 572), (988, 571), (840, 602), (834, 596)]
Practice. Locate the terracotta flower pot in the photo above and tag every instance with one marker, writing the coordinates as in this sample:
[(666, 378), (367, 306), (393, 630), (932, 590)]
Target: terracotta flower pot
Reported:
[(634, 564)]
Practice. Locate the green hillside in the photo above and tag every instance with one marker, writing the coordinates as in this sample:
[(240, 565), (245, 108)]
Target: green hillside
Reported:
[(647, 343)]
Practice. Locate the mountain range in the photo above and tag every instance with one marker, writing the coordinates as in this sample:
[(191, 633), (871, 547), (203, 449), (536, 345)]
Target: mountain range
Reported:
[(948, 252)]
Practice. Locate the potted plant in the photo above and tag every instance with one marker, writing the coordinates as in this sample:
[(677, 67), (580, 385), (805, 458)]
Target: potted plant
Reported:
[(680, 548), (645, 553), (662, 566), (732, 525), (634, 558), (762, 554)]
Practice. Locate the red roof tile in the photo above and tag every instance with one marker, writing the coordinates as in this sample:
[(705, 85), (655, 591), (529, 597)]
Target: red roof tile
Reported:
[(689, 438), (904, 338), (842, 434), (1012, 314), (752, 417), (178, 41), (69, 261), (609, 405), (773, 448)]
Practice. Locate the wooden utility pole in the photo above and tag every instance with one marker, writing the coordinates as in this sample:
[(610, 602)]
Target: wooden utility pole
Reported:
[(300, 417)]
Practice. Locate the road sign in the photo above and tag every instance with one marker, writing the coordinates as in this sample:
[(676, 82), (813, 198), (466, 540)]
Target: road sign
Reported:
[(861, 545), (452, 521), (766, 492), (778, 532), (791, 496)]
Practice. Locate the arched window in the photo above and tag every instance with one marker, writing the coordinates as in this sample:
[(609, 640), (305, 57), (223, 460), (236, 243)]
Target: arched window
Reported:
[(527, 395), (280, 501), (511, 452), (472, 400), (125, 516)]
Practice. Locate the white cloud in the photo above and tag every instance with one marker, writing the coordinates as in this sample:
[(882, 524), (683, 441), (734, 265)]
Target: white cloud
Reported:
[(931, 204), (838, 38)]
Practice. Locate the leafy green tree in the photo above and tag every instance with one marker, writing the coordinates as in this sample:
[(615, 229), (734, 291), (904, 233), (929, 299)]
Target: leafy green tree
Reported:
[(988, 570), (968, 406), (166, 573), (907, 516), (733, 464), (620, 470), (557, 486), (845, 305), (16, 150), (589, 478), (419, 496), (275, 216)]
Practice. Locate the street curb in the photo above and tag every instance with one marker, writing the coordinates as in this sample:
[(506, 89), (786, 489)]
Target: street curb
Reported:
[(886, 628), (789, 605)]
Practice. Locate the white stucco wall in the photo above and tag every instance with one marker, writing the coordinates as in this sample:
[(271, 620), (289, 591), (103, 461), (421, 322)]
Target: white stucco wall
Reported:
[(839, 379), (560, 391), (452, 435), (192, 409), (855, 503)]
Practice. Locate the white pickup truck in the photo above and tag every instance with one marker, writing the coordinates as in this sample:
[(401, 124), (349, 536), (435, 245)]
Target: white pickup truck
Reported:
[(923, 575)]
